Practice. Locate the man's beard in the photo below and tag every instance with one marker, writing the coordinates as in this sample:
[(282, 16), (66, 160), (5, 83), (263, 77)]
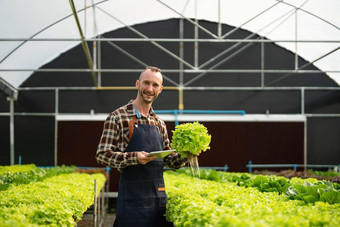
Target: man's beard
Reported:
[(141, 93)]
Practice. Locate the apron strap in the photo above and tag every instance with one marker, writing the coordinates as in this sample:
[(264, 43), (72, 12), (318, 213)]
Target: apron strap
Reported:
[(131, 126), (134, 121)]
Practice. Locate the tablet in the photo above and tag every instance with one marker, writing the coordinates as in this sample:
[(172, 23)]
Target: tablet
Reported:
[(161, 154)]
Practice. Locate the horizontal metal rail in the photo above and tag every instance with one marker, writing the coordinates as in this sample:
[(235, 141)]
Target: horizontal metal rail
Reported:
[(224, 168), (184, 88), (250, 166), (176, 112), (7, 114), (172, 70), (166, 40)]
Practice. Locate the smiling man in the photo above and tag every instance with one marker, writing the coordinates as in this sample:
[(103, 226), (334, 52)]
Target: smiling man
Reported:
[(149, 86), (129, 134)]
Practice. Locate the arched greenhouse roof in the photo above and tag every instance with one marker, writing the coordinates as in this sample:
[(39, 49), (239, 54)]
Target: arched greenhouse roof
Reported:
[(35, 32)]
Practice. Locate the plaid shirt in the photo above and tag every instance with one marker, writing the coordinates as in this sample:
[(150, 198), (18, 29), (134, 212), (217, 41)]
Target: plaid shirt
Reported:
[(115, 139)]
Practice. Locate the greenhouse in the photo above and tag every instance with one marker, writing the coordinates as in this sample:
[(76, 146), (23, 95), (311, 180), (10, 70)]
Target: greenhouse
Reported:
[(261, 76)]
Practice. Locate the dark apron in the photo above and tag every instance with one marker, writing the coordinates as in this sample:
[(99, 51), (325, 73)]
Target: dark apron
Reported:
[(141, 196)]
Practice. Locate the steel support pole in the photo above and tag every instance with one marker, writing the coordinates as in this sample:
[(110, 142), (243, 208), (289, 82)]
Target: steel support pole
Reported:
[(181, 52), (99, 79), (196, 38), (219, 24), (296, 43), (56, 126), (305, 129), (181, 67), (11, 130), (305, 146), (262, 64)]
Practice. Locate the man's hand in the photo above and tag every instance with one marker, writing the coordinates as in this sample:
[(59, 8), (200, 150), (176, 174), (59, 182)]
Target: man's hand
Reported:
[(142, 159)]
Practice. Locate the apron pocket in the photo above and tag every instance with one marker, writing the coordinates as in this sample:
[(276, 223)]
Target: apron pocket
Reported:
[(138, 194)]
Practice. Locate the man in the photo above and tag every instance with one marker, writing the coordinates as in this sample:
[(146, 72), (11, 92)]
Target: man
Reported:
[(129, 134)]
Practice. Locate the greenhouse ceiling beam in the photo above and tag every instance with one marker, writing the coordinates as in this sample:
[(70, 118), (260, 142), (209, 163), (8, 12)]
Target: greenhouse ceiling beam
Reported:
[(189, 20), (310, 13), (251, 19), (8, 89), (218, 64), (303, 66), (84, 44), (145, 37), (225, 52), (288, 14), (42, 30), (188, 88), (178, 70), (169, 40), (139, 61)]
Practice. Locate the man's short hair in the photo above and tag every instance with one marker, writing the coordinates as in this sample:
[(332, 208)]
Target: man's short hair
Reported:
[(153, 69)]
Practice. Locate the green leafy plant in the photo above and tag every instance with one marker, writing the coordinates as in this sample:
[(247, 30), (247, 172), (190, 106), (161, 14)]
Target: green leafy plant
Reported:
[(310, 193), (198, 202), (55, 201), (189, 140), (270, 184), (262, 183), (330, 173), (242, 180), (16, 169), (190, 137), (24, 174)]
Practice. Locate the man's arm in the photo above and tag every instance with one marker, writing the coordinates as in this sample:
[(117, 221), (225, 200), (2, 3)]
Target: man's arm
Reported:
[(108, 153)]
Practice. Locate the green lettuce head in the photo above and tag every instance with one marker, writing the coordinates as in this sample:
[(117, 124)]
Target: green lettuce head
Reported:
[(190, 137)]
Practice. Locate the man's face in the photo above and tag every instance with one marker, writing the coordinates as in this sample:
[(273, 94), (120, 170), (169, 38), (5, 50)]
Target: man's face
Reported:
[(149, 85)]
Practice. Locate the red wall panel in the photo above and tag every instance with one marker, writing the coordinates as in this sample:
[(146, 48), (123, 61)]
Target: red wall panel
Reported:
[(233, 143)]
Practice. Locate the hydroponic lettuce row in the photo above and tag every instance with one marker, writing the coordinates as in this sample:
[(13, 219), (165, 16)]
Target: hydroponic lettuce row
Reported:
[(198, 202), (16, 168), (190, 137), (59, 200), (24, 174), (308, 190)]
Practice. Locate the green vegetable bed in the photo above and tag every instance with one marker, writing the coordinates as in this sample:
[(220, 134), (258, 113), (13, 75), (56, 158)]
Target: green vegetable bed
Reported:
[(58, 199), (199, 202)]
